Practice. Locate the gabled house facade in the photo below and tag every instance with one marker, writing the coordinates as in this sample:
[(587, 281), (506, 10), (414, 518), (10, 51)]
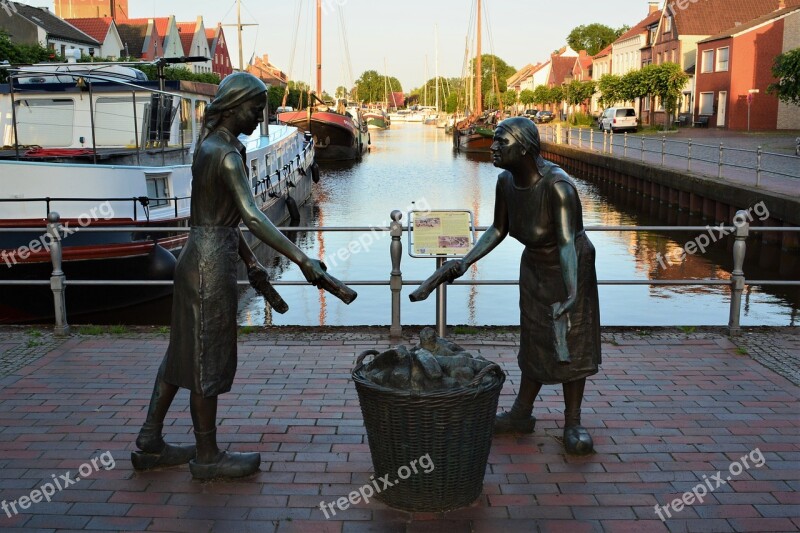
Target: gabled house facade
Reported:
[(734, 71), (516, 81), (261, 68), (104, 30), (220, 55), (139, 40), (166, 37), (195, 43), (34, 25)]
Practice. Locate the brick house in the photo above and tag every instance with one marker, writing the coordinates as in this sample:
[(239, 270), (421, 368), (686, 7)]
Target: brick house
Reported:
[(68, 9), (684, 23), (735, 69), (267, 72), (220, 55)]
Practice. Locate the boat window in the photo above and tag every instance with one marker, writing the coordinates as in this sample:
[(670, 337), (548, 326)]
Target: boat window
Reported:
[(114, 120), (46, 122), (158, 189)]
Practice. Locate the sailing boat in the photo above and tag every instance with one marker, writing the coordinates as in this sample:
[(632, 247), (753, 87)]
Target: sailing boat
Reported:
[(475, 134), (340, 134), (378, 118)]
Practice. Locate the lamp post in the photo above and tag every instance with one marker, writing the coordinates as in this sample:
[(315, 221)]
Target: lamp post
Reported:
[(750, 95)]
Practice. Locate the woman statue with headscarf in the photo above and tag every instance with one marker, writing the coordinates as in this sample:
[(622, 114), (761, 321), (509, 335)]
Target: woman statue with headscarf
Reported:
[(201, 355), (537, 204)]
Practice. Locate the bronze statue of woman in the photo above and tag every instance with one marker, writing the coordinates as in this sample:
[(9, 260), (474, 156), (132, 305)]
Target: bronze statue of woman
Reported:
[(537, 204), (201, 355)]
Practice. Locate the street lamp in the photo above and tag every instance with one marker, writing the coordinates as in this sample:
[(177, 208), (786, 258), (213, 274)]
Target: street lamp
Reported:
[(750, 95)]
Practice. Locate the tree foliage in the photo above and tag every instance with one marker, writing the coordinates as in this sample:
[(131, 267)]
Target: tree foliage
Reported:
[(610, 88), (22, 54), (787, 70), (577, 92), (527, 97), (593, 37), (179, 73), (492, 65), (372, 86)]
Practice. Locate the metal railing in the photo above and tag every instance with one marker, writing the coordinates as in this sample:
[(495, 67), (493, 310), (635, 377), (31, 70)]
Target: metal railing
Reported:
[(678, 153), (737, 282)]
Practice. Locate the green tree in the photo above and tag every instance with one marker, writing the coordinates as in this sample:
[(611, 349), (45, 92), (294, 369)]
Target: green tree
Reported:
[(541, 95), (22, 54), (667, 82), (509, 98), (451, 104), (555, 95), (610, 88), (491, 67), (527, 97), (787, 70), (593, 37), (341, 92), (577, 92), (372, 86)]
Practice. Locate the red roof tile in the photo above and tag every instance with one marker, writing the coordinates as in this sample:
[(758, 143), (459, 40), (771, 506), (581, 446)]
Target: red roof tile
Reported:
[(752, 24), (709, 17), (96, 28), (603, 53), (161, 23), (641, 26), (562, 66)]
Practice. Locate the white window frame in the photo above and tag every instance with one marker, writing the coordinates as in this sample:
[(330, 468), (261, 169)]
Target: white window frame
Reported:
[(668, 24), (718, 63), (707, 63)]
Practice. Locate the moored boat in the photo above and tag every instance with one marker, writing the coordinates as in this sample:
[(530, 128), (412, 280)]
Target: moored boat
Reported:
[(377, 119), (129, 165), (337, 136)]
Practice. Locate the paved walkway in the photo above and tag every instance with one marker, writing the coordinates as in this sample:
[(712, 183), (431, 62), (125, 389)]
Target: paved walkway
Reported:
[(780, 167), (670, 413)]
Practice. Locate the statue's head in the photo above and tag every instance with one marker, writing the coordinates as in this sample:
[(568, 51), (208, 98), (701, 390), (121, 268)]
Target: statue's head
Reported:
[(522, 132), (234, 90)]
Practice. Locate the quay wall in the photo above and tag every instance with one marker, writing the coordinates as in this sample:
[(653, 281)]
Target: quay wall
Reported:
[(714, 199)]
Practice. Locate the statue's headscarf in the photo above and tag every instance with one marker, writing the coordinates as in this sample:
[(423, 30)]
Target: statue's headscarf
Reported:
[(527, 134), (234, 90)]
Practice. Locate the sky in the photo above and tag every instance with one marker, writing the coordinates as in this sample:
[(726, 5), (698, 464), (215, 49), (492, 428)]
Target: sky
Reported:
[(401, 33)]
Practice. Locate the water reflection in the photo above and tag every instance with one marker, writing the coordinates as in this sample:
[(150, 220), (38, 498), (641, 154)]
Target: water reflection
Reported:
[(415, 163)]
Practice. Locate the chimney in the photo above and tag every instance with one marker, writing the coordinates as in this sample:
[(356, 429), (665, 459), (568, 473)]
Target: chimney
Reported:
[(781, 4), (113, 10), (653, 7)]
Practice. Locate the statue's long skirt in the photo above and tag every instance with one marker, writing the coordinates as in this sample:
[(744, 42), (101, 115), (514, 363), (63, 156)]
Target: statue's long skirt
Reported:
[(540, 285), (201, 355)]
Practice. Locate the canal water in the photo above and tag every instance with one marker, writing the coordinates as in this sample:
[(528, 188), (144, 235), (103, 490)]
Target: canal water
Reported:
[(412, 166)]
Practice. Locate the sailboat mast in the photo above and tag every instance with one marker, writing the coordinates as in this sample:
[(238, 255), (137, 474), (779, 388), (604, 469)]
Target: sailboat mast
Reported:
[(239, 33), (436, 29), (319, 48), (478, 68)]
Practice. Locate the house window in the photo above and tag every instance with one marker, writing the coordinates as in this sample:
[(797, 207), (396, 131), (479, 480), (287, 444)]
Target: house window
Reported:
[(668, 24), (708, 61), (646, 103), (158, 187), (722, 59), (706, 103)]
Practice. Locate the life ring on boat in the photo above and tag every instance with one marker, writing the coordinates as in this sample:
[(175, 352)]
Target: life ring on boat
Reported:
[(315, 172)]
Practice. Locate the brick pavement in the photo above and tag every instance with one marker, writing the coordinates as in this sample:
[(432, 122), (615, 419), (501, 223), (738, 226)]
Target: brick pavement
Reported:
[(667, 411)]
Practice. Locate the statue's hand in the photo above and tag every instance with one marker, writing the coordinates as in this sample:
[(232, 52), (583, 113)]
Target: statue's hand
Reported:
[(313, 270), (455, 268), (563, 307)]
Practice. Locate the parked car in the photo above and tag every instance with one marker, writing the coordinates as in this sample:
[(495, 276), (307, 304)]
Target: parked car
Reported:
[(531, 113), (542, 117), (616, 119)]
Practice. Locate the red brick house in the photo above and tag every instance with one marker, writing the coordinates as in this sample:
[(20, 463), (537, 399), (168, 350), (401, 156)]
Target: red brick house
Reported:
[(735, 68), (684, 23), (267, 72), (220, 56)]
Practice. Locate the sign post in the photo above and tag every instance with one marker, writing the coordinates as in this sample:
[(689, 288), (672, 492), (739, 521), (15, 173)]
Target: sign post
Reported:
[(443, 235)]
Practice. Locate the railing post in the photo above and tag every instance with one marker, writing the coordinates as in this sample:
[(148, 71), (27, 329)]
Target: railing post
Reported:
[(580, 138), (396, 279), (737, 275), (441, 303), (625, 144), (611, 143), (719, 164), (591, 139), (57, 278), (759, 153), (689, 158), (642, 149), (663, 148)]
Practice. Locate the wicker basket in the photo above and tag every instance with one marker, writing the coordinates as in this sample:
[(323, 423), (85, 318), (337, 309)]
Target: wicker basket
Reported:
[(453, 427)]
